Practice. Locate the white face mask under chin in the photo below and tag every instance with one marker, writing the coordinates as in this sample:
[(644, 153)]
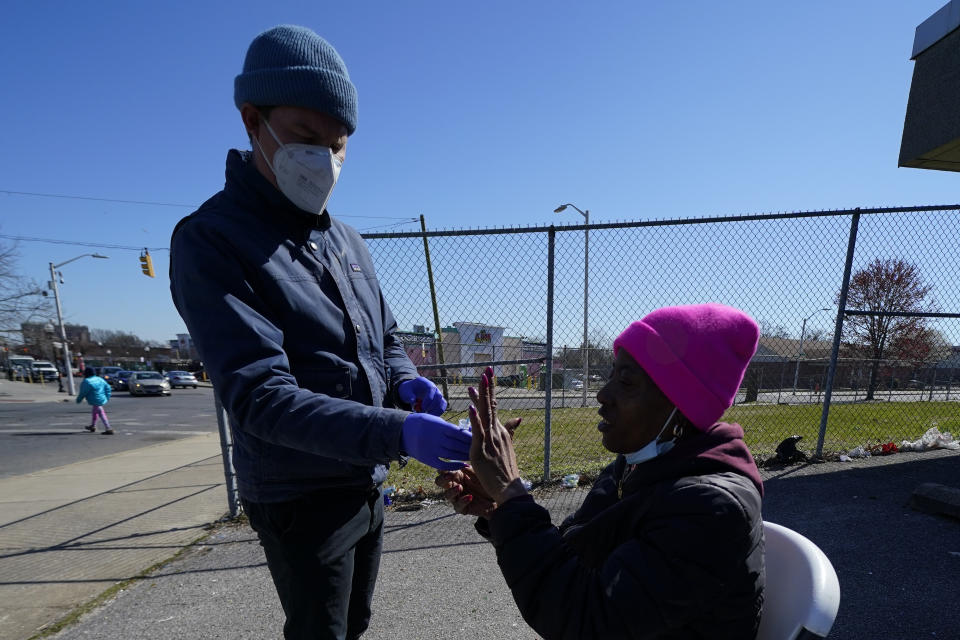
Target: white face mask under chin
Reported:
[(653, 448), (305, 173)]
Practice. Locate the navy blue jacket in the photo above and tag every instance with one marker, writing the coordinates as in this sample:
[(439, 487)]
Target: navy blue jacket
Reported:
[(672, 548), (287, 315)]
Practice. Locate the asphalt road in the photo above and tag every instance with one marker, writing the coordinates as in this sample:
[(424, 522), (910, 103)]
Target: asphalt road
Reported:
[(42, 435)]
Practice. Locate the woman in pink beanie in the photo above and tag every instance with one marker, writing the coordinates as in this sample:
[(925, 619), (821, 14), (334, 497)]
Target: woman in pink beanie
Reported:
[(669, 541)]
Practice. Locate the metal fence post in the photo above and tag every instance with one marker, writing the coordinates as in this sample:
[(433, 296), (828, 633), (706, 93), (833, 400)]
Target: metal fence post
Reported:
[(838, 331), (226, 453), (548, 383), (563, 385), (436, 314), (780, 387)]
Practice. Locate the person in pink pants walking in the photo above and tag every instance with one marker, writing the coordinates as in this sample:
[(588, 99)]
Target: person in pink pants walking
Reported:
[(97, 393)]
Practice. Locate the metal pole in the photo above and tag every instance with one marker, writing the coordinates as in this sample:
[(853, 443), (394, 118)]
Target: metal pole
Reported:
[(838, 330), (548, 383), (63, 331), (780, 386), (563, 387), (586, 297), (796, 374), (436, 313), (226, 454)]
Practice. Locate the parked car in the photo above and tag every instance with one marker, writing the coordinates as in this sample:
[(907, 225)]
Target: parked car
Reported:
[(43, 370), (109, 373), (181, 379), (576, 385), (143, 383), (120, 381)]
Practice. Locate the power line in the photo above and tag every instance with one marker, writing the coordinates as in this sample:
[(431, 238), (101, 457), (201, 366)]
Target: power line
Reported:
[(101, 245), (162, 204), (69, 197), (391, 225), (95, 245)]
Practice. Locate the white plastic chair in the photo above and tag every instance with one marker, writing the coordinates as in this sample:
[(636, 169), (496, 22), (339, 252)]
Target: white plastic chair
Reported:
[(802, 591)]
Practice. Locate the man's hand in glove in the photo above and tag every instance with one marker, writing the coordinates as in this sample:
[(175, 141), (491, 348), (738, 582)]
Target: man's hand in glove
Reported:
[(429, 438), (422, 395)]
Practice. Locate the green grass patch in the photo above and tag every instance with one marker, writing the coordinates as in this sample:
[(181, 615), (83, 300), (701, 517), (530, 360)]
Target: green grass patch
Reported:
[(575, 441), (848, 426)]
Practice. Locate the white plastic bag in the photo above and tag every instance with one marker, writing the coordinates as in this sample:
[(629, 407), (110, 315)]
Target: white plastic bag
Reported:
[(932, 439)]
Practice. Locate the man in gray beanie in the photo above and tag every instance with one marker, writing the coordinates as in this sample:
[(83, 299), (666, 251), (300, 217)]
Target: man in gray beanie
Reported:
[(283, 304)]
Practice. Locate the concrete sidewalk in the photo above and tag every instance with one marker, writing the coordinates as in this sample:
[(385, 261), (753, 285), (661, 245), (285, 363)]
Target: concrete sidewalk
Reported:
[(18, 391), (69, 533)]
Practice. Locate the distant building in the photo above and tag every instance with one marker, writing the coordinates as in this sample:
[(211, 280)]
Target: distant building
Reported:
[(465, 343), (182, 348), (421, 346), (37, 332)]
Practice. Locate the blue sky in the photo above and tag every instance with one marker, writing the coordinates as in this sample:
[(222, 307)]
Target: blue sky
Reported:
[(472, 114)]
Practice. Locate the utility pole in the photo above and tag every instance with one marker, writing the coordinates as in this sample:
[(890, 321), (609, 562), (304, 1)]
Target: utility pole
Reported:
[(63, 331)]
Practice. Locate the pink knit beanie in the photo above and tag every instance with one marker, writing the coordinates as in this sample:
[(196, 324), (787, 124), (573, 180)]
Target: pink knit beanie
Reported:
[(696, 354)]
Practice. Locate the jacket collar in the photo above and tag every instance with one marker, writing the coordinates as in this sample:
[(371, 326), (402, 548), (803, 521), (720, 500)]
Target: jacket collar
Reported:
[(720, 448), (247, 186)]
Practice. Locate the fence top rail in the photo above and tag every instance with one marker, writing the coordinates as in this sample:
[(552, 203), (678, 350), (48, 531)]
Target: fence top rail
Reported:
[(901, 314), (485, 363), (659, 222)]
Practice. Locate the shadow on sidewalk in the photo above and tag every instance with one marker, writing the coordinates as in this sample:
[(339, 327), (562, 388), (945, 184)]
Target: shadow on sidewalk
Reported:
[(894, 563)]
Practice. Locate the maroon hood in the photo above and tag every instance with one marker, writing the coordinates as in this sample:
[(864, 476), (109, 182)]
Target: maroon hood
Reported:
[(720, 448)]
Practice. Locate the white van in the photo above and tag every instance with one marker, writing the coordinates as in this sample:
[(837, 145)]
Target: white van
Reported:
[(44, 370), (21, 361), (19, 367)]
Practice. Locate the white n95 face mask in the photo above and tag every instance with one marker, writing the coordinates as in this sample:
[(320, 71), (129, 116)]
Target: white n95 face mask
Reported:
[(653, 448), (305, 173)]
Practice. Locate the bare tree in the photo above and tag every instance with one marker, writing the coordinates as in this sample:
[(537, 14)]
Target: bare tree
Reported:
[(884, 285), (772, 330), (601, 355), (21, 299), (117, 339)]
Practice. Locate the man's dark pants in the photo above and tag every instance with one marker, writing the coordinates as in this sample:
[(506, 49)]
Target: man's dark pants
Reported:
[(323, 550)]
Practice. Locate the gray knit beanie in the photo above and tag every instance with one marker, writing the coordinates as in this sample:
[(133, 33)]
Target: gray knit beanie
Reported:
[(293, 66)]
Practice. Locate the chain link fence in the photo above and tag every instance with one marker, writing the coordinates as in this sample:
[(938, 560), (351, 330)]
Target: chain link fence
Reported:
[(514, 298)]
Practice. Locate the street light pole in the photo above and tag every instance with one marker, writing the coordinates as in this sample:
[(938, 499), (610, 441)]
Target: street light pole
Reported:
[(63, 330), (803, 330), (586, 295)]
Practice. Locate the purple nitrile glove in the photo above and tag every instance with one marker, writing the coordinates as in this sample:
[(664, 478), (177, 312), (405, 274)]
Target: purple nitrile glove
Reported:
[(429, 438), (423, 395)]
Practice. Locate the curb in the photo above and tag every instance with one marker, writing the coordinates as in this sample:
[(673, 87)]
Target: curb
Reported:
[(930, 497)]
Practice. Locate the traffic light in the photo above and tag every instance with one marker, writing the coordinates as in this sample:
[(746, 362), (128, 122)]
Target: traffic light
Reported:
[(146, 263)]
